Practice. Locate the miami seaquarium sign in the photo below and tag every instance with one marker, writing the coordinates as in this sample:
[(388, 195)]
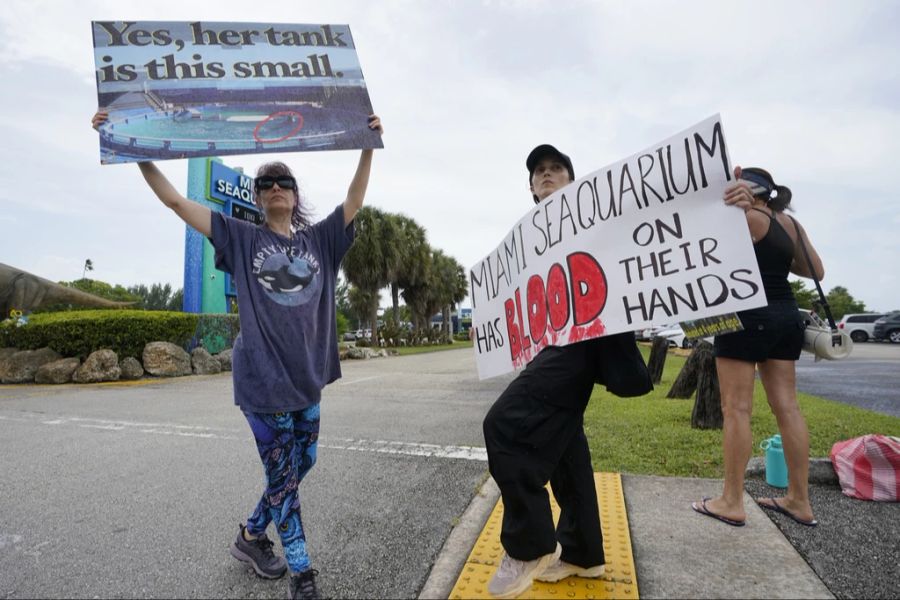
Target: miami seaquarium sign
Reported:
[(226, 184)]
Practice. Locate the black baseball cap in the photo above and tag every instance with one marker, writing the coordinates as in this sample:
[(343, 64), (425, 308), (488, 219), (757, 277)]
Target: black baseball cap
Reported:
[(547, 151)]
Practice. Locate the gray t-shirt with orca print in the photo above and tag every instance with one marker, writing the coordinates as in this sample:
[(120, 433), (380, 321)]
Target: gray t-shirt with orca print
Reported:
[(287, 350)]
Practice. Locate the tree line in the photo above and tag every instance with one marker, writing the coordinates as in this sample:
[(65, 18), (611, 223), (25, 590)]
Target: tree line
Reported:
[(840, 301), (392, 250), (159, 296)]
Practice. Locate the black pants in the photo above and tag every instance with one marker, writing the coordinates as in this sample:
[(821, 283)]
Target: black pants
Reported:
[(534, 433)]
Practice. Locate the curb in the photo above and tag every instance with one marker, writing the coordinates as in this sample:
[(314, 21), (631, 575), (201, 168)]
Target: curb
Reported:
[(453, 555), (820, 470)]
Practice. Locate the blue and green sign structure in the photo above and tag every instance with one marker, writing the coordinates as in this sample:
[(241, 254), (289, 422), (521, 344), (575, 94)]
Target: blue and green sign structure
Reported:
[(200, 89), (222, 189)]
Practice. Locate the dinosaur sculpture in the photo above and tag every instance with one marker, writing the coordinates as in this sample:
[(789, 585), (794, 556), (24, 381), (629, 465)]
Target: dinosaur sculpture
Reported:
[(20, 290)]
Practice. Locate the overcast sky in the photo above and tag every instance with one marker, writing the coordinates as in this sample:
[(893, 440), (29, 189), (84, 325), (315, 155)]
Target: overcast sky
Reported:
[(808, 90)]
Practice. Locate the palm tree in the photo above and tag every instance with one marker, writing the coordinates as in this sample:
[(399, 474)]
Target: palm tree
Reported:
[(458, 289), (372, 257), (416, 292), (412, 263), (88, 266), (442, 285), (449, 285), (363, 303)]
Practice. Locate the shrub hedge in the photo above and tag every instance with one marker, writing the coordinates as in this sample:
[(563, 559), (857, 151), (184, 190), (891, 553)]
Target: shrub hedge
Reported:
[(78, 333)]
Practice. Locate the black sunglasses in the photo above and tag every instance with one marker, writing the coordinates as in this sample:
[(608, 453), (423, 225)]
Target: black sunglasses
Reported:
[(265, 182)]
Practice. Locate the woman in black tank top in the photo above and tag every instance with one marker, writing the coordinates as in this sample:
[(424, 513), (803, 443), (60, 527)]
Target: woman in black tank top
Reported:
[(770, 342)]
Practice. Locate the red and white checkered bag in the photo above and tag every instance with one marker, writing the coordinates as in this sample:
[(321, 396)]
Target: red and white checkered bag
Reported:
[(868, 467)]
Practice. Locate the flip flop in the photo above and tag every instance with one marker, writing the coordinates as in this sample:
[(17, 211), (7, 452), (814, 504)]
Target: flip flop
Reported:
[(705, 511), (775, 507)]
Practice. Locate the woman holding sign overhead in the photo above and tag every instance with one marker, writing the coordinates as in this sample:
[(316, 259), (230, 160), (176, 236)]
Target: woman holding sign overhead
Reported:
[(285, 272), (770, 343)]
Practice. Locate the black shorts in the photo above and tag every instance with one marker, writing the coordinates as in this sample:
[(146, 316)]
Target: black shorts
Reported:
[(774, 331)]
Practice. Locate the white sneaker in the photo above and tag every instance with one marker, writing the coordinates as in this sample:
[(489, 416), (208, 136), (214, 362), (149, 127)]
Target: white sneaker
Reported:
[(560, 570), (515, 576)]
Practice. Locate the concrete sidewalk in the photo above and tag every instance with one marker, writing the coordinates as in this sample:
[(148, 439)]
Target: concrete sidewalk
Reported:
[(677, 552)]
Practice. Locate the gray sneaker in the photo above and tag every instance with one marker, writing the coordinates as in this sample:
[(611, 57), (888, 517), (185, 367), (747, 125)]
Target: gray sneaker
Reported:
[(259, 555), (303, 586), (515, 576), (560, 570)]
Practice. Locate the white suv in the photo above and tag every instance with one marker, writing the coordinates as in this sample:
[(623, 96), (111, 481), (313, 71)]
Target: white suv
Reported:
[(859, 326)]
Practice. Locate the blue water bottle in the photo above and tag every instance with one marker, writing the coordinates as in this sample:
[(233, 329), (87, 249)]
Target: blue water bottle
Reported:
[(776, 467)]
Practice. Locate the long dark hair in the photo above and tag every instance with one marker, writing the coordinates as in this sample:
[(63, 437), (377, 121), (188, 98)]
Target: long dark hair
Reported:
[(778, 197), (301, 218)]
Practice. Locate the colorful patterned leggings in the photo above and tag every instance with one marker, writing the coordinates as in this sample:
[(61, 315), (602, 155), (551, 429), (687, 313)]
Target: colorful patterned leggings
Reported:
[(287, 446)]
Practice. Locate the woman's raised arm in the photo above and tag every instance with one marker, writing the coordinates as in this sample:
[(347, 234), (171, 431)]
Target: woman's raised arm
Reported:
[(356, 194), (193, 213)]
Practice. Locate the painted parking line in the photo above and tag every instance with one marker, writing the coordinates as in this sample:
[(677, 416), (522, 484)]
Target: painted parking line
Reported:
[(358, 380), (218, 433)]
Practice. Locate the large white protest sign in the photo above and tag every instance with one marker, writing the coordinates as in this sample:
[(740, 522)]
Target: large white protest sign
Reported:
[(646, 240)]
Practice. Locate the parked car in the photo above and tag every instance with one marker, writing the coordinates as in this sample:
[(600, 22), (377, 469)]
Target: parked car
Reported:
[(860, 326), (888, 328), (674, 334), (646, 334)]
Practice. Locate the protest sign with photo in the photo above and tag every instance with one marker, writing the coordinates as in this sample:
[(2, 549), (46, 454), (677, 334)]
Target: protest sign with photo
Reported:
[(647, 240), (180, 90)]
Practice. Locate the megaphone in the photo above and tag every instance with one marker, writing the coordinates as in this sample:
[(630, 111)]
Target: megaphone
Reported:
[(823, 344)]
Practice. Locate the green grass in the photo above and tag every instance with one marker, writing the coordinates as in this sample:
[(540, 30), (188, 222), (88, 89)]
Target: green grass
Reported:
[(652, 435), (407, 350)]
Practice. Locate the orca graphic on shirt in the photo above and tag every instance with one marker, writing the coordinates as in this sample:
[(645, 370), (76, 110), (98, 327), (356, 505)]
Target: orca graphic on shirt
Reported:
[(289, 281), (284, 281)]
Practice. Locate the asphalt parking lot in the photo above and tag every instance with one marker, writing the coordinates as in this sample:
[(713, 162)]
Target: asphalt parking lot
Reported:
[(869, 378), (136, 490)]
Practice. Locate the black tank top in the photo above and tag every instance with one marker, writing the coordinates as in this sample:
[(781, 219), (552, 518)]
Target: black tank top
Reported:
[(774, 255)]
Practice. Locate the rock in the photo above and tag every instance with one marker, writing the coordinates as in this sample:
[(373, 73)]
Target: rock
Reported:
[(204, 363), (101, 365), (165, 359), (6, 353), (820, 470), (224, 358), (21, 366), (58, 371), (358, 353), (131, 368), (756, 467)]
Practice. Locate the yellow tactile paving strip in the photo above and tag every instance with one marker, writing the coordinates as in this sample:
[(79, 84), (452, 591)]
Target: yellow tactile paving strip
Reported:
[(619, 580)]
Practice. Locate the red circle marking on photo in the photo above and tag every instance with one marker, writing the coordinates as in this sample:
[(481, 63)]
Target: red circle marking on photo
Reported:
[(272, 116)]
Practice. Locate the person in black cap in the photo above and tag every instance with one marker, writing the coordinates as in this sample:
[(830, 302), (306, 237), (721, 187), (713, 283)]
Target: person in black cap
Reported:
[(534, 433), (549, 158)]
